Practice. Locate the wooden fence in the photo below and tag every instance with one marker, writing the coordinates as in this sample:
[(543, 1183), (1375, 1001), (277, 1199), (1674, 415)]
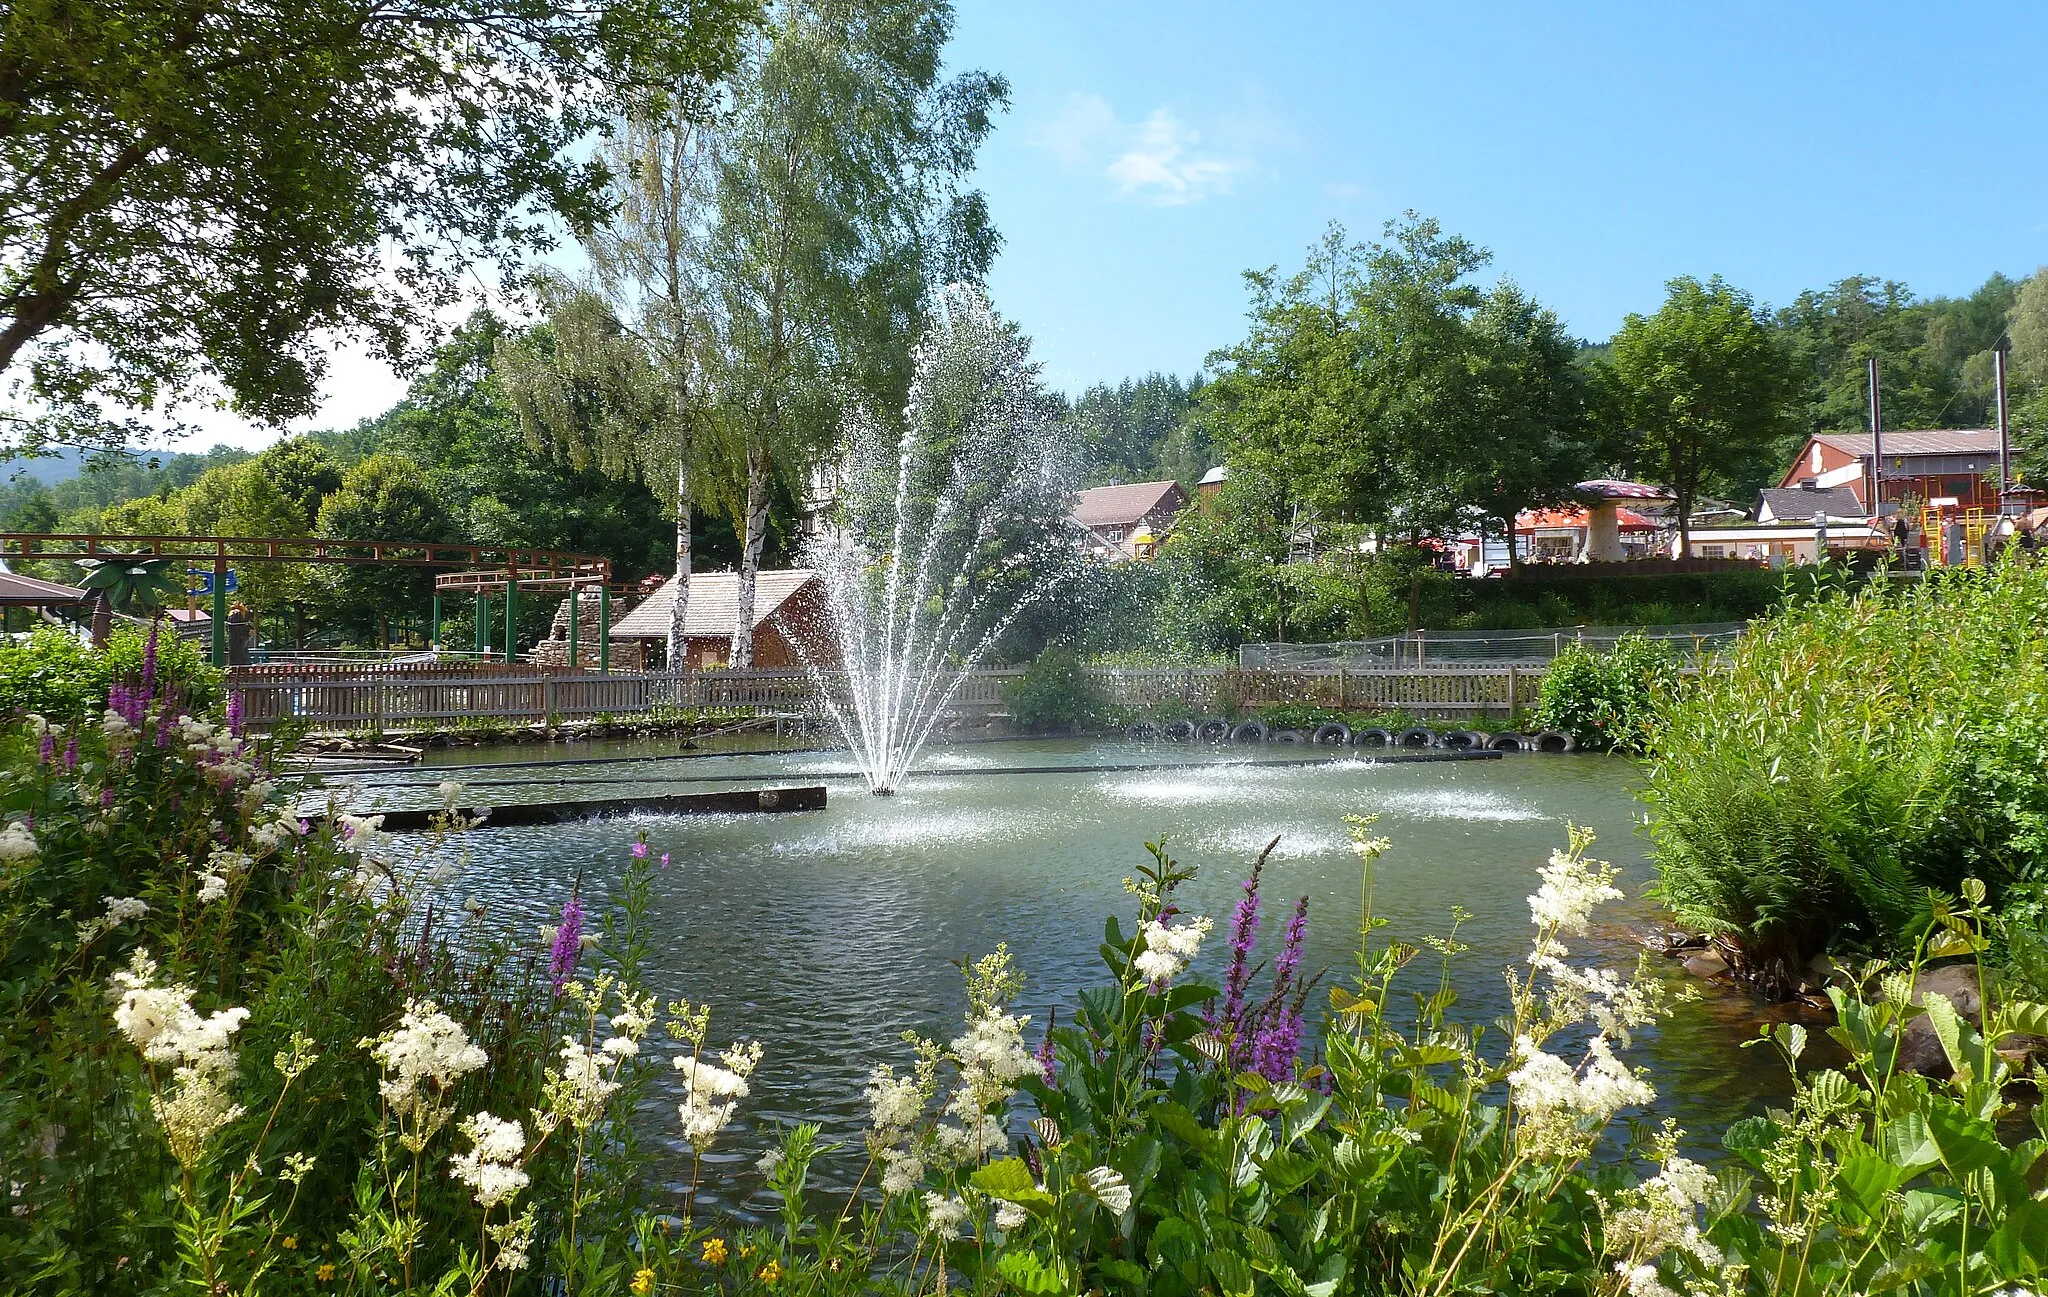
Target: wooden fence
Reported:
[(374, 699)]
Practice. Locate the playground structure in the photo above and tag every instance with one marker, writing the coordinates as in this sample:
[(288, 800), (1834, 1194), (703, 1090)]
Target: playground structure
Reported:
[(479, 569)]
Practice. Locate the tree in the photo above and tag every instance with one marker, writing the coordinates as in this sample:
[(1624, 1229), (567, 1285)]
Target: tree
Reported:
[(385, 497), (1703, 387), (1531, 434), (1143, 427), (190, 192), (840, 198), (304, 473)]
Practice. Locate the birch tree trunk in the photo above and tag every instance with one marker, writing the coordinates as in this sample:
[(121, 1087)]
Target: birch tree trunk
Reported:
[(679, 611), (742, 655)]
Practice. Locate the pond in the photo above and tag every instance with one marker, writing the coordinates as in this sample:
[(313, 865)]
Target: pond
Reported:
[(827, 934)]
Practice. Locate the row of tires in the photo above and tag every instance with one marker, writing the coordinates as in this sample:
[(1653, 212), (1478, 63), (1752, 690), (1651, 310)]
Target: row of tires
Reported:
[(1336, 734)]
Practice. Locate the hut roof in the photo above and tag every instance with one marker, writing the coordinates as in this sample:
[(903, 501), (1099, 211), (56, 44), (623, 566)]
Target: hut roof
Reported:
[(714, 607)]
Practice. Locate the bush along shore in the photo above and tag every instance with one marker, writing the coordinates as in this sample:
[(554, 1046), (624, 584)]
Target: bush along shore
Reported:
[(1828, 784), (243, 1052)]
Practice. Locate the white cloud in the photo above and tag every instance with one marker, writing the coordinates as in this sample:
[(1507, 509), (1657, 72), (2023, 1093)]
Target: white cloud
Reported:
[(1159, 160)]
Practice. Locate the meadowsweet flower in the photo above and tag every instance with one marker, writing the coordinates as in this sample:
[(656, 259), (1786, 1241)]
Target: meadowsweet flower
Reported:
[(513, 1238), (944, 1215), (212, 887), (769, 1162), (711, 1093), (1572, 887), (1642, 1280), (1168, 950), (579, 1091), (17, 844), (1010, 1216), (450, 792), (491, 1168), (427, 1049), (161, 1022)]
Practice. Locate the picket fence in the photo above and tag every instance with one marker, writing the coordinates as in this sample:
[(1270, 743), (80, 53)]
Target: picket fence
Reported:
[(331, 700)]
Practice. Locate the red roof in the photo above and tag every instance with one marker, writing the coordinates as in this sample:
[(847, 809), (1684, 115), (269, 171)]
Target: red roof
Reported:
[(1124, 506), (1571, 519)]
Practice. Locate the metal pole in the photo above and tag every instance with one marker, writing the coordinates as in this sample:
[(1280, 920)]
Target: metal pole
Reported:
[(2004, 435), (511, 614), (434, 636), (1876, 440), (220, 609), (604, 628), (575, 658), (483, 625)]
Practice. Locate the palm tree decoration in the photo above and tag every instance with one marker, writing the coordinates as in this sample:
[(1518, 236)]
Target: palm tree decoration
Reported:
[(135, 585)]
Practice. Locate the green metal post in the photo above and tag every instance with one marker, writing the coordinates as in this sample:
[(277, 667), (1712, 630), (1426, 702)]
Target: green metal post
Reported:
[(604, 629), (434, 635), (483, 624), (511, 614), (575, 660), (220, 610)]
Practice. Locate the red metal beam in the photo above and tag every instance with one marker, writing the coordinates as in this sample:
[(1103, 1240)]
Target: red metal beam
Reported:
[(301, 549)]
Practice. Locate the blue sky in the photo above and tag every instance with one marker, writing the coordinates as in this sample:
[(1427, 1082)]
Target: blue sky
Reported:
[(1153, 152)]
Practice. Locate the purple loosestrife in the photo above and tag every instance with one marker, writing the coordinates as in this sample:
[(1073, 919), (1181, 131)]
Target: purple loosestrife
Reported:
[(1046, 1062), (47, 754), (1277, 1047), (235, 713), (568, 944), (1244, 934), (71, 752), (149, 661)]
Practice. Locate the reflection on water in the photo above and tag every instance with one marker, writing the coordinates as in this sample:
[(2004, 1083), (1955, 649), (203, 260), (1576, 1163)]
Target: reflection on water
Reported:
[(827, 934)]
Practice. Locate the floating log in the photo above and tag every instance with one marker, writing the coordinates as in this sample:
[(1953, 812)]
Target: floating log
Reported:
[(748, 801)]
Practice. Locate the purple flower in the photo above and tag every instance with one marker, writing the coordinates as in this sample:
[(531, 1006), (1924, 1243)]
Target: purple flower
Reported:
[(568, 944), (1244, 932), (71, 752), (235, 713), (48, 752), (639, 851), (1290, 945), (149, 661), (106, 797), (664, 860)]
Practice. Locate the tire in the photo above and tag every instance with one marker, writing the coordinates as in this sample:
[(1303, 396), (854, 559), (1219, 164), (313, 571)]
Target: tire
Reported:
[(1465, 741), (1508, 743), (1555, 741), (1372, 736), (1416, 736), (1141, 730), (1249, 732), (1179, 732), (1333, 734), (1213, 730)]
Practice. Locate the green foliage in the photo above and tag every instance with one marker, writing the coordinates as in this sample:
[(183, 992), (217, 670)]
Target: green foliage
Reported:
[(1703, 389), (180, 211), (1056, 693), (54, 674), (1607, 700), (1145, 429), (1851, 757)]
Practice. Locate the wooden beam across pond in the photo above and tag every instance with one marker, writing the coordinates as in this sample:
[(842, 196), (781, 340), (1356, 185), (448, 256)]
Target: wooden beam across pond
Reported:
[(730, 802)]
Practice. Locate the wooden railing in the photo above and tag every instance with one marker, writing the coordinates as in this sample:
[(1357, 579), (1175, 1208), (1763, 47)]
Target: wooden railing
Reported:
[(326, 699)]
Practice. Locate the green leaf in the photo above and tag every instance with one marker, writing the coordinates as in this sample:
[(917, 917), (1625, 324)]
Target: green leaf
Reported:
[(1908, 1144), (1866, 1178), (1176, 1242), (1029, 1272), (1967, 1143), (1941, 1015), (1233, 1274), (1010, 1180), (1928, 1208), (1748, 1138)]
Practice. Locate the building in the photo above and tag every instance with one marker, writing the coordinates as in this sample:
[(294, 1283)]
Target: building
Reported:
[(789, 608), (1126, 522), (1955, 468), (1605, 529), (1791, 525), (1211, 484), (1802, 504)]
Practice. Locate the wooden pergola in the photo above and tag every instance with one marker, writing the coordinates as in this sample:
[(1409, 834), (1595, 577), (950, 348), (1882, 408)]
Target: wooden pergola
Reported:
[(485, 567)]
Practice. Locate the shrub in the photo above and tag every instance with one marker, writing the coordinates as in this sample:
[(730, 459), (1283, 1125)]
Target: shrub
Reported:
[(54, 673), (1606, 701), (1056, 693), (1842, 768)]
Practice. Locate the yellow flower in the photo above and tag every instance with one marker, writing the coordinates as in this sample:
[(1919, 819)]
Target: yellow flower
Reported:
[(714, 1251), (325, 1272), (643, 1282), (746, 1250), (769, 1273), (291, 1242)]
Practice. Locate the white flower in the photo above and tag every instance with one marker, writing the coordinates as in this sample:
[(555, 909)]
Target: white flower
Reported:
[(17, 844), (1572, 887), (945, 1214), (161, 1022), (212, 887), (1642, 1280), (580, 1090), (1168, 950), (491, 1168), (1108, 1187), (451, 792), (1010, 1215), (993, 1045), (895, 1103), (620, 1047), (770, 1162), (115, 726), (122, 909), (711, 1093), (427, 1046), (901, 1172)]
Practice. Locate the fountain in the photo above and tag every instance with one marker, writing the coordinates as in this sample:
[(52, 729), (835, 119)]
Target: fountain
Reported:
[(948, 526)]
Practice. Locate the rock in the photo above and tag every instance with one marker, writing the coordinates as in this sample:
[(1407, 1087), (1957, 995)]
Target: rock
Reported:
[(1958, 984), (1920, 1051), (1706, 964)]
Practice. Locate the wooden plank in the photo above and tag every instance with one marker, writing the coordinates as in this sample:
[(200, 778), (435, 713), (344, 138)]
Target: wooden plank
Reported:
[(774, 801)]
